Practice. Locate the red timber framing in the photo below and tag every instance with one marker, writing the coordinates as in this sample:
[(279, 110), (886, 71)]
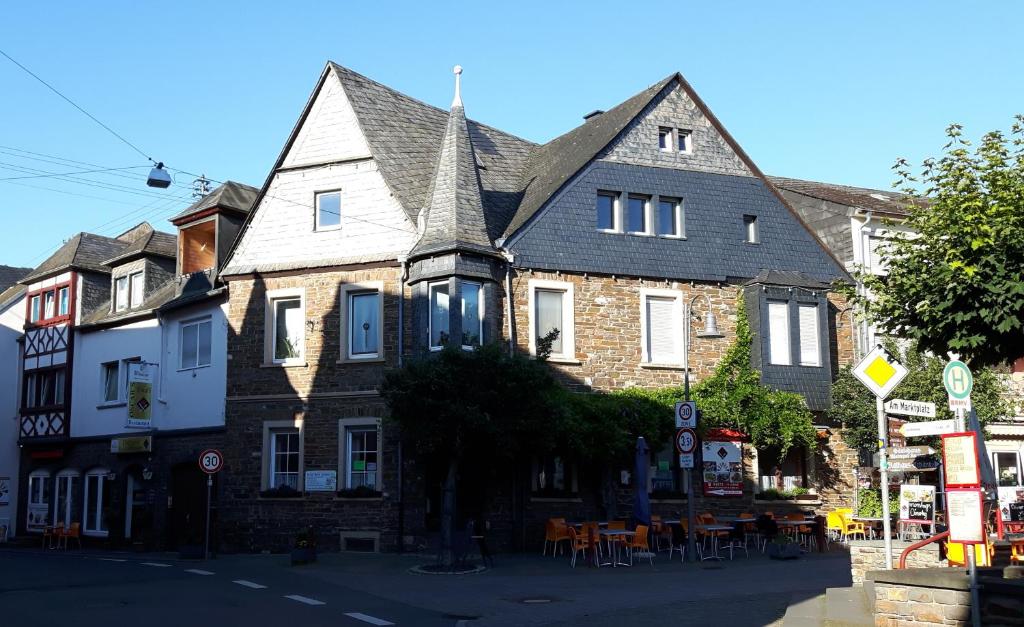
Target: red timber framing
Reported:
[(46, 340)]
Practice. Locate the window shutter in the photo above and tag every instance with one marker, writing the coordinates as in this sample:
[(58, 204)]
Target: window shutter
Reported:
[(661, 336), (778, 333), (810, 350)]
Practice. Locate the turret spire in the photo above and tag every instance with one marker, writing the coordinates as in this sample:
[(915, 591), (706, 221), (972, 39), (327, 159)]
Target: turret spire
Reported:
[(457, 101)]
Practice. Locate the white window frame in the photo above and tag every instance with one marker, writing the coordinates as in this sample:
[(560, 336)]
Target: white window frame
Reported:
[(677, 325), (670, 138), (345, 307), (751, 229), (788, 344), (270, 427), (686, 135), (194, 322), (118, 291), (35, 308), (103, 382), (40, 493), (480, 312), (616, 198), (94, 527), (49, 304), (801, 308), (270, 326), (344, 426), (68, 475), (316, 210), (678, 216), (63, 304), (646, 198), (568, 332), (136, 296), (430, 314)]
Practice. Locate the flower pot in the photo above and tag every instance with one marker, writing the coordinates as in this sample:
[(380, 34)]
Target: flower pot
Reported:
[(306, 555), (788, 551)]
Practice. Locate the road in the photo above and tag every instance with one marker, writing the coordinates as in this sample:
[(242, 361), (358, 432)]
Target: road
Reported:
[(47, 589)]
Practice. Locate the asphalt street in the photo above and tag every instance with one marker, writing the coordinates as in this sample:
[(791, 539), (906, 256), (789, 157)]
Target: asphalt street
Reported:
[(49, 589)]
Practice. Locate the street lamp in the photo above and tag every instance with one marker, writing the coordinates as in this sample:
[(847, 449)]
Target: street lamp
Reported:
[(710, 332)]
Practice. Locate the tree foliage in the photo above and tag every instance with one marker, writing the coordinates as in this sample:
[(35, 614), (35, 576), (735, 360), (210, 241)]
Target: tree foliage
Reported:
[(854, 405), (958, 284)]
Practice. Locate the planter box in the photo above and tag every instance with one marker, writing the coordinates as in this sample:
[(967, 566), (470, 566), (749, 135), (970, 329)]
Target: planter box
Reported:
[(303, 556)]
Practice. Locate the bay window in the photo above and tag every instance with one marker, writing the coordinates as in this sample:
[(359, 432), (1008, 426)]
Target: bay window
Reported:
[(472, 314), (439, 320)]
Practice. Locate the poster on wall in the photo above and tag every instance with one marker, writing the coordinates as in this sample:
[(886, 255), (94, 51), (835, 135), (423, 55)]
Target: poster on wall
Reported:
[(140, 394), (1011, 503), (5, 491), (917, 503), (722, 468)]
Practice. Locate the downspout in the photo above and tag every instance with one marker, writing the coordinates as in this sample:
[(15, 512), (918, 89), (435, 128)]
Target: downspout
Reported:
[(865, 259), (509, 258), (403, 276), (518, 515)]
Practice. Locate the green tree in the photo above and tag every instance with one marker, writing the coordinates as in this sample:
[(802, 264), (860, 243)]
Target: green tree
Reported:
[(958, 284), (853, 405)]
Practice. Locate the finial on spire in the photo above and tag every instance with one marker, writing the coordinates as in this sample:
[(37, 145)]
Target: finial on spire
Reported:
[(457, 101)]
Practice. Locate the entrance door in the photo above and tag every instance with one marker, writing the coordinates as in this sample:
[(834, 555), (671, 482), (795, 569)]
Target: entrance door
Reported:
[(64, 497), (186, 508)]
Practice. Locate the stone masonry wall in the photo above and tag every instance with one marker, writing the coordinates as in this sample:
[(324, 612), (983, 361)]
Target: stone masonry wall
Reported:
[(868, 555), (901, 605)]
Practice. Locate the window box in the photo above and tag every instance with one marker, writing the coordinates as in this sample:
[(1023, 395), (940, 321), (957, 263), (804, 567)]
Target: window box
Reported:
[(281, 492)]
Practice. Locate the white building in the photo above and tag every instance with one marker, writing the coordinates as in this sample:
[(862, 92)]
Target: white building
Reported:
[(12, 321)]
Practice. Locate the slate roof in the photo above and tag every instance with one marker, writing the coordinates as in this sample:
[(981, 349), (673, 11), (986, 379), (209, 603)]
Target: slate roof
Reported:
[(229, 195), (84, 251), (102, 316), (11, 293), (455, 216), (145, 240), (787, 278), (9, 275), (877, 200)]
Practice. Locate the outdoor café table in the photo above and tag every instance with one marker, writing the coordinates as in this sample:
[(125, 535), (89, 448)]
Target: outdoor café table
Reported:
[(714, 539), (872, 521), (615, 546)]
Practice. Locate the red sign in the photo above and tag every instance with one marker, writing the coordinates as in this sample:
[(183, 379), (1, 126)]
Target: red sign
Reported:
[(211, 461), (960, 460)]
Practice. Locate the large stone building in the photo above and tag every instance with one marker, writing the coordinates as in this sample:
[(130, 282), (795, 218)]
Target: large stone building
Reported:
[(388, 228)]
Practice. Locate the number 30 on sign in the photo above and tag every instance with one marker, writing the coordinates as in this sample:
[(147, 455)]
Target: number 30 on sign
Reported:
[(211, 461)]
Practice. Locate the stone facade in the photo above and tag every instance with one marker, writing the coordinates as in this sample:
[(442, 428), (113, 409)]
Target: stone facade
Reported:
[(942, 597)]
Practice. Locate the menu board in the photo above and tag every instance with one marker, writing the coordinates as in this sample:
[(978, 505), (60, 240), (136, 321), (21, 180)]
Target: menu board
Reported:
[(964, 513), (960, 460), (723, 468), (917, 503)]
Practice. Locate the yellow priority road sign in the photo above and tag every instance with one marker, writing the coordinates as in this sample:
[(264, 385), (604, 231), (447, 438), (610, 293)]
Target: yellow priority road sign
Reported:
[(879, 372)]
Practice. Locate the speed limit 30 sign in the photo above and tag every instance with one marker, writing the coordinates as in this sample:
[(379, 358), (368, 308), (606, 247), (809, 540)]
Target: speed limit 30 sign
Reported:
[(211, 461)]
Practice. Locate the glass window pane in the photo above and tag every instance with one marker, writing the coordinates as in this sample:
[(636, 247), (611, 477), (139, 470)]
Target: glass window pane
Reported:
[(34, 315), (472, 329), (46, 388), (136, 289), (364, 329), (1007, 471), (58, 387), (605, 211), (750, 224), (92, 502), (637, 218), (121, 293), (48, 311), (30, 391), (288, 329), (64, 302), (549, 316), (684, 141), (665, 138), (189, 334), (667, 223), (204, 343), (438, 315), (110, 379), (328, 209)]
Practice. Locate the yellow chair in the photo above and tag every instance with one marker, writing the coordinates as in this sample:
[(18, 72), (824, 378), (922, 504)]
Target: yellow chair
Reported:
[(851, 528), (1017, 552), (834, 524), (956, 556)]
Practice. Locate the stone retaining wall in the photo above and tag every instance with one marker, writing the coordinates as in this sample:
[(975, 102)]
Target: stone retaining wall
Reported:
[(942, 597), (867, 555)]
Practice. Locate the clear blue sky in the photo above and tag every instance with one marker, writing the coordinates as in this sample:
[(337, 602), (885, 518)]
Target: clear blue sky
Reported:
[(820, 90)]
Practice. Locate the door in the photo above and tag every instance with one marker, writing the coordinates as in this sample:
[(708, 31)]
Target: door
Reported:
[(64, 498), (186, 507)]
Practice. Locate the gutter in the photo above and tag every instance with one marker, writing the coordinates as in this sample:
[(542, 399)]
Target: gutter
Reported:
[(509, 260)]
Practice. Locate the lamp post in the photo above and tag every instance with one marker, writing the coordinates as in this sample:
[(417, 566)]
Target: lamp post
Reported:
[(710, 332)]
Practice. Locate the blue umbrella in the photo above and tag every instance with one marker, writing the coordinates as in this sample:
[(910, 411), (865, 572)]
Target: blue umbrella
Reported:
[(641, 500)]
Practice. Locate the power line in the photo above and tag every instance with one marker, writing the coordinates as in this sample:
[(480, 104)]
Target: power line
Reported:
[(75, 105), (60, 174), (81, 181), (19, 153)]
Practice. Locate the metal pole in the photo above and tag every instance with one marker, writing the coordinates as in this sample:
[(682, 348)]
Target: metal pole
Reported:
[(209, 488), (883, 440), (691, 497), (969, 549)]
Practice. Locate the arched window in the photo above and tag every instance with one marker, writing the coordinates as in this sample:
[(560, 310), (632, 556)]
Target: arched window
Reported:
[(66, 490), (38, 514), (97, 493)]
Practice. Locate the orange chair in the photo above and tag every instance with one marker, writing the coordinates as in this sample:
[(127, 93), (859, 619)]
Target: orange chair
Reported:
[(707, 518), (577, 544), (555, 531), (47, 535), (802, 532), (56, 535), (591, 525), (74, 531), (639, 542)]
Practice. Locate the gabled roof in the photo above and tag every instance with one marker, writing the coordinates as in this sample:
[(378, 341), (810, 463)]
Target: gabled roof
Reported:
[(552, 165), (880, 201), (455, 215), (144, 240), (9, 275), (84, 251), (230, 195)]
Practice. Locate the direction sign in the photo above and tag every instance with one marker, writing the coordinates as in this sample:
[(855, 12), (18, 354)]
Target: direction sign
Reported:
[(909, 452), (686, 414), (902, 407), (879, 372), (933, 427), (917, 464), (211, 461), (957, 378)]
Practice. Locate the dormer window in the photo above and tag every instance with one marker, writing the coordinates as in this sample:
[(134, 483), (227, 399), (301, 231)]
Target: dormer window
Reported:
[(128, 291), (49, 305), (328, 211), (750, 230)]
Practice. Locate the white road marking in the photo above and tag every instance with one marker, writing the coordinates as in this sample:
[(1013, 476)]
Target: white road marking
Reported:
[(373, 620), (248, 584), (197, 571), (302, 599), (110, 559), (156, 564)]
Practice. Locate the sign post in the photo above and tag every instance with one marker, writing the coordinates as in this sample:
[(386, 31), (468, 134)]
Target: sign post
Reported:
[(210, 461), (881, 374), (686, 418)]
